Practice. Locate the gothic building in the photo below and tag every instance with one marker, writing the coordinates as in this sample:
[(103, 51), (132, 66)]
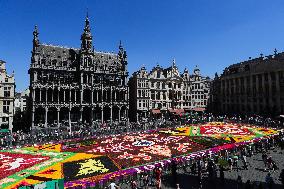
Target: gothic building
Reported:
[(77, 84), (164, 90), (255, 86)]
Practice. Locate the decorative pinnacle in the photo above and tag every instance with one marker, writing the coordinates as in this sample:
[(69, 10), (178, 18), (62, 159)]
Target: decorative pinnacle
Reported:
[(174, 62), (120, 44), (35, 33), (275, 51)]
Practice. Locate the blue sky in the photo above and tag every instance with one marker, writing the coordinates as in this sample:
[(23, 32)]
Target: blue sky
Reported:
[(210, 34)]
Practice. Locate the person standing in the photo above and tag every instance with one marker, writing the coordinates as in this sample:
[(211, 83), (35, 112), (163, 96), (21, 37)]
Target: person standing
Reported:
[(264, 159), (248, 185), (113, 186), (269, 181), (282, 178), (158, 175), (239, 182), (222, 176), (174, 171), (245, 162)]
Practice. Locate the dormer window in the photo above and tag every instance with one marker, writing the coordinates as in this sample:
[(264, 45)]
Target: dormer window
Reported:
[(158, 74)]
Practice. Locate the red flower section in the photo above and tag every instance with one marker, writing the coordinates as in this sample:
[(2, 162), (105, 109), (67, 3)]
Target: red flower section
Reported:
[(12, 163), (139, 149)]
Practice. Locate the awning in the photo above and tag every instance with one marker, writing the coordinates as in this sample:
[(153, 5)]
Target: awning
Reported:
[(179, 111), (156, 111), (198, 109), (176, 111)]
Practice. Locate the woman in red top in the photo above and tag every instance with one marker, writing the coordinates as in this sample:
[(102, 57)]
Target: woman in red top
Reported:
[(158, 177)]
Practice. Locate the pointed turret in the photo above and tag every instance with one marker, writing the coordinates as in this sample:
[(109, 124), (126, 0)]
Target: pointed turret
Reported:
[(35, 39), (86, 37), (122, 56), (122, 53), (174, 63)]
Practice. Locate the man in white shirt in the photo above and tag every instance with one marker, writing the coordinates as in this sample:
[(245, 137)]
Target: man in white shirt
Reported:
[(112, 186)]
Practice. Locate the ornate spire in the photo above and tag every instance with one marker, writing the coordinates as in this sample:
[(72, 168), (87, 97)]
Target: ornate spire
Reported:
[(120, 45), (174, 62), (121, 52), (86, 37), (87, 24), (35, 39), (122, 56)]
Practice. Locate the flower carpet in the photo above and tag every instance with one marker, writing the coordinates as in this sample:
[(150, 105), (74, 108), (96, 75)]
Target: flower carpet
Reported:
[(92, 161)]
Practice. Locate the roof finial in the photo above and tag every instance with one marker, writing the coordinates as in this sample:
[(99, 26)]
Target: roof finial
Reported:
[(87, 23), (174, 62), (275, 51), (120, 45), (261, 55)]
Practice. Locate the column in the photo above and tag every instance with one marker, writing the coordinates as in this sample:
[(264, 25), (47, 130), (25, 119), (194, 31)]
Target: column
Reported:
[(45, 96), (45, 122), (92, 96), (97, 94), (58, 116), (39, 94), (111, 114), (81, 93), (126, 113), (70, 94), (69, 120), (102, 115), (52, 92), (81, 114), (110, 94), (119, 114), (33, 117), (92, 115), (75, 96), (58, 95), (115, 95), (64, 97)]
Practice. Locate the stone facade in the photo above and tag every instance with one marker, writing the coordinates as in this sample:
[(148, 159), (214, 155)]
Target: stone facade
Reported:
[(7, 96), (255, 86), (162, 90), (77, 85), (21, 100)]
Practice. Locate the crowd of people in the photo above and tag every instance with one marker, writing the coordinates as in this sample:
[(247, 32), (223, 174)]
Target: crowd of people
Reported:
[(82, 130)]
